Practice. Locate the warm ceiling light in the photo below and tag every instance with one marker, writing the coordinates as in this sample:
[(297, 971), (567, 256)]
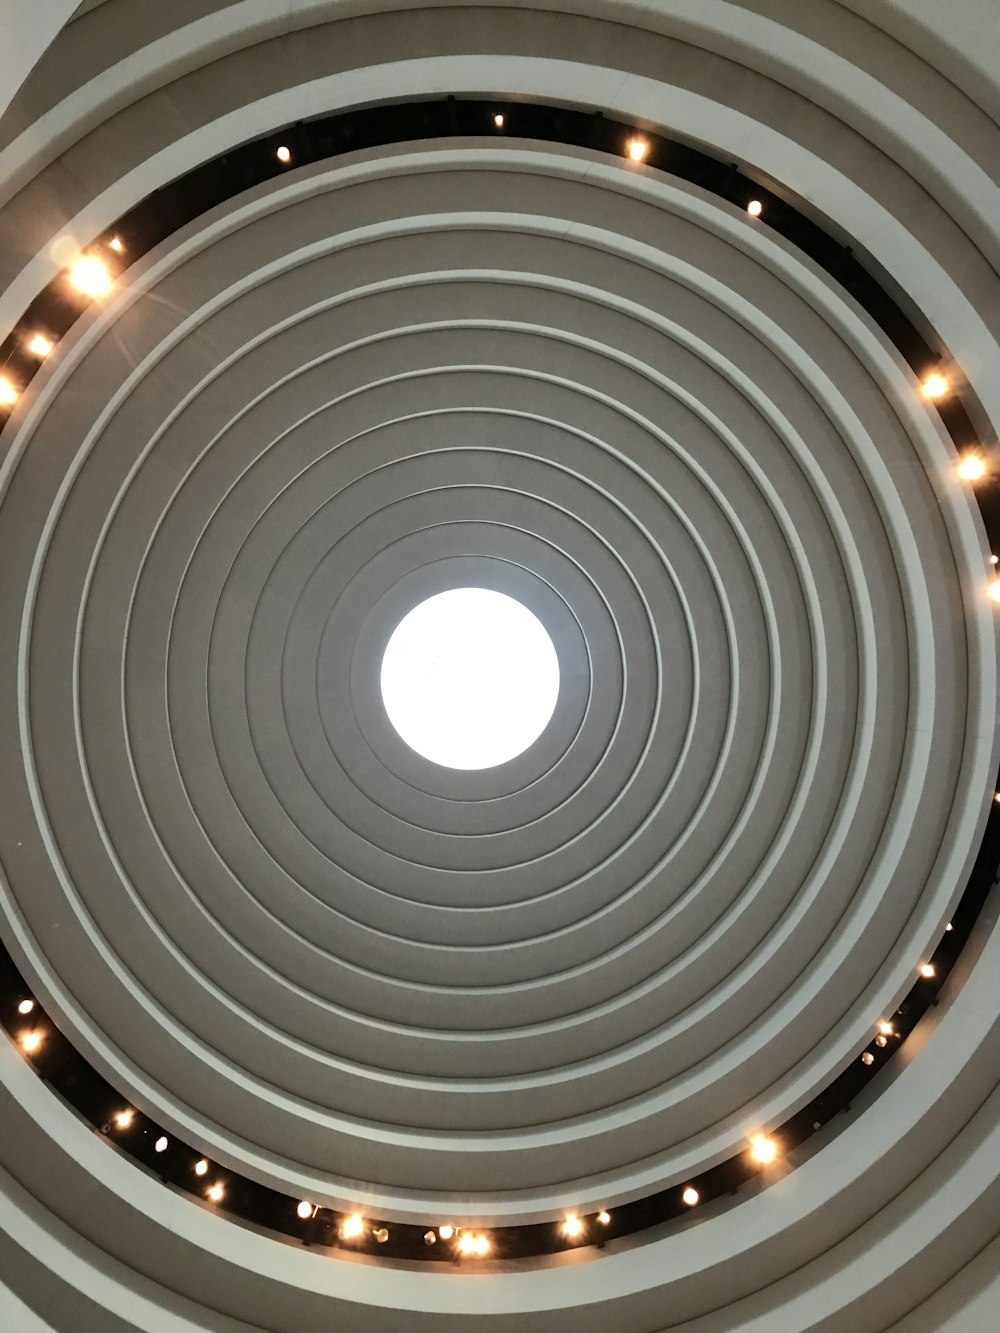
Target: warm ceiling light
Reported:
[(161, 1143), (935, 386), (40, 346), (995, 590), (305, 1210), (763, 1149), (26, 1006), (637, 149), (971, 468), (466, 1243), (117, 245), (201, 1168), (927, 969), (996, 797), (90, 275), (995, 559), (381, 1235), (949, 926), (755, 208), (482, 1246), (124, 1118), (885, 1029), (430, 1237), (353, 1227), (446, 1232), (8, 394), (30, 1041), (572, 1226), (215, 1192), (604, 1218), (498, 121), (690, 1196), (881, 1040), (284, 154), (868, 1058)]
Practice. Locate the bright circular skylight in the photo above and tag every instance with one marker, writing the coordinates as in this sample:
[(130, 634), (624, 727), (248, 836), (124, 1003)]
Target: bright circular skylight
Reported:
[(470, 678)]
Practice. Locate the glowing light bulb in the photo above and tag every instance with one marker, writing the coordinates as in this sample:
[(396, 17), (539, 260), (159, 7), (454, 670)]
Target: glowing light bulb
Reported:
[(430, 1237), (161, 1143), (353, 1227), (949, 926), (572, 1226), (40, 346), (117, 245), (498, 121), (935, 386), (995, 559), (763, 1149), (305, 1210), (996, 797), (466, 1243), (446, 1232), (637, 149), (755, 208), (284, 154), (90, 275), (691, 1196), (927, 969), (868, 1058), (30, 1041), (8, 394), (971, 468), (26, 1006), (882, 1040), (482, 1246), (201, 1168), (604, 1218), (381, 1235), (215, 1192), (124, 1118), (885, 1029)]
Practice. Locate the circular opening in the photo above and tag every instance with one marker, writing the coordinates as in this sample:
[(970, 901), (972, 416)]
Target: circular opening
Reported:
[(470, 678)]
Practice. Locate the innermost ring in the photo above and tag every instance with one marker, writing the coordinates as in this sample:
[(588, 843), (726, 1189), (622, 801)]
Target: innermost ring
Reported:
[(470, 678)]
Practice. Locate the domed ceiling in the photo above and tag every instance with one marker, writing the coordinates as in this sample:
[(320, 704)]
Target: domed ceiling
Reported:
[(469, 354)]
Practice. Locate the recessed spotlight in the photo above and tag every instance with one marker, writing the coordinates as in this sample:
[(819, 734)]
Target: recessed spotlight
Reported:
[(30, 1041), (755, 208), (124, 1118), (604, 1218), (949, 926), (691, 1196), (283, 154), (885, 1028), (90, 275), (201, 1168), (572, 1226), (305, 1210), (763, 1149), (117, 245), (995, 590), (215, 1192), (353, 1227), (381, 1235), (446, 1232), (26, 1006), (40, 346), (8, 394), (637, 149), (162, 1143), (972, 468), (882, 1040), (995, 559), (498, 121), (482, 1246), (935, 386), (430, 1237), (927, 970), (868, 1058)]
